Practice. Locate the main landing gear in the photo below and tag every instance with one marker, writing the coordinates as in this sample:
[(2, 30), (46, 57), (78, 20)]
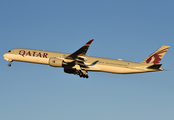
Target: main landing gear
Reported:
[(81, 73), (77, 70), (9, 65)]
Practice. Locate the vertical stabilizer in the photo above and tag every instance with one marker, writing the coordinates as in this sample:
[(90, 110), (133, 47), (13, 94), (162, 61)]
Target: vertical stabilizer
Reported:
[(156, 57)]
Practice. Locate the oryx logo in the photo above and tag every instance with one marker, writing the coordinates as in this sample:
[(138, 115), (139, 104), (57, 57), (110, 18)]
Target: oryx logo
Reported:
[(54, 61), (156, 57)]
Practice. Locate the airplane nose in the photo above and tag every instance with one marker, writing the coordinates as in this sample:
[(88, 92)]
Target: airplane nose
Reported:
[(6, 57)]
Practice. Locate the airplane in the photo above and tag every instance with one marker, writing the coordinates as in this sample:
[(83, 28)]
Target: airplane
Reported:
[(78, 63)]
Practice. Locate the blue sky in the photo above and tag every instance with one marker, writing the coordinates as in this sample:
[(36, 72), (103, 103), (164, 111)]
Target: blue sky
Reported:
[(129, 30)]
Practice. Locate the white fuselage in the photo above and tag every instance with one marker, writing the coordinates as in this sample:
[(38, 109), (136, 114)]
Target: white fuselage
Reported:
[(103, 64)]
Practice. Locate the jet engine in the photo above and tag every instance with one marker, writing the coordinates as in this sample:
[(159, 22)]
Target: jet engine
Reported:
[(55, 62)]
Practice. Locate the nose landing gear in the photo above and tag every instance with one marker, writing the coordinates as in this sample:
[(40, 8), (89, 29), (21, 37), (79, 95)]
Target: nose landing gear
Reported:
[(9, 65)]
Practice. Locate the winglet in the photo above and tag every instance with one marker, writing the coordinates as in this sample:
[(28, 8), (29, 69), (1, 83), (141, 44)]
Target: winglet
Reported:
[(89, 42)]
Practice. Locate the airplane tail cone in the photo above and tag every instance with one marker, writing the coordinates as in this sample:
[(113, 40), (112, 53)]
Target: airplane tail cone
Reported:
[(166, 70)]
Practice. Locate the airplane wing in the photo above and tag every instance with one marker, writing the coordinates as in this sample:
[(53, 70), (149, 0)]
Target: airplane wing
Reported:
[(77, 59), (80, 52)]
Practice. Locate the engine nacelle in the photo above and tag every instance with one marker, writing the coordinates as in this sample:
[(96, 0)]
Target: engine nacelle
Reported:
[(70, 71), (55, 62)]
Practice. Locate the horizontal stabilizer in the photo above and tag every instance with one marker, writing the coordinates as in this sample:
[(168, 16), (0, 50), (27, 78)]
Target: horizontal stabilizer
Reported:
[(94, 63), (155, 66)]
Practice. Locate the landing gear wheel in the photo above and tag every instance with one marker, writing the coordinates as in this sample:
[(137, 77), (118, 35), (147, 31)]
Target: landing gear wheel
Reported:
[(87, 76), (9, 65)]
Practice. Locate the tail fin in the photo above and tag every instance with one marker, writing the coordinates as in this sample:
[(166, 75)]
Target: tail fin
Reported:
[(156, 57)]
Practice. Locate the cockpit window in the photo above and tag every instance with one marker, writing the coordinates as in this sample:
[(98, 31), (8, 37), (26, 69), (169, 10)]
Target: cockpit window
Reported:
[(9, 51)]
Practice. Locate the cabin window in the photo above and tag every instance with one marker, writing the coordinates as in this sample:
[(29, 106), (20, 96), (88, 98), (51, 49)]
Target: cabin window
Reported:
[(9, 51)]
